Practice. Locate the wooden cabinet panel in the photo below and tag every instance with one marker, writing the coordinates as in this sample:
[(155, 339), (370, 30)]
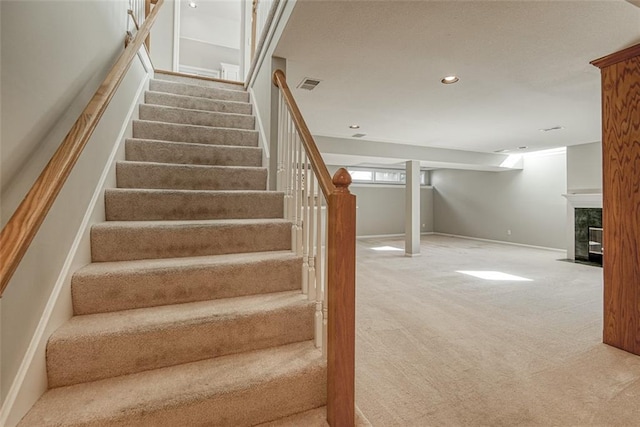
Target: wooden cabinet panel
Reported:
[(621, 198)]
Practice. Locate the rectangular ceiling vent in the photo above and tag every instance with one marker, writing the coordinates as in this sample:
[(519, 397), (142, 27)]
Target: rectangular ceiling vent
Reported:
[(308, 83), (358, 135), (552, 129)]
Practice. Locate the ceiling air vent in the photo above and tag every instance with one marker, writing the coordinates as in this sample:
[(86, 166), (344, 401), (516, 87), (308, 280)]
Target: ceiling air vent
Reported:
[(308, 83), (358, 135), (552, 129)]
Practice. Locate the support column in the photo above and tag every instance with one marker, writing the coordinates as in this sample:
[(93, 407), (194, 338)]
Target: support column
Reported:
[(412, 209), (621, 197)]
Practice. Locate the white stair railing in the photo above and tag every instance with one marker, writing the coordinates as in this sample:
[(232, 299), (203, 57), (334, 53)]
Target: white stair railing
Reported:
[(322, 214)]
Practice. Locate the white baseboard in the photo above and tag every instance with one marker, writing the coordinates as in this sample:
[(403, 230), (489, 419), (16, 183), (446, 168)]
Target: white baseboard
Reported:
[(502, 242), (382, 236), (379, 236), (32, 370), (263, 136), (426, 233)]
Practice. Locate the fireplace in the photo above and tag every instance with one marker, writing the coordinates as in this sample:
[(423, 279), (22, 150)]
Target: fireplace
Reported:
[(595, 244), (584, 227), (588, 235)]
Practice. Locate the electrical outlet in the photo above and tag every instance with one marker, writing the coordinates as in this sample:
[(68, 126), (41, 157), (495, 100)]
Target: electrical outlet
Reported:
[(508, 232)]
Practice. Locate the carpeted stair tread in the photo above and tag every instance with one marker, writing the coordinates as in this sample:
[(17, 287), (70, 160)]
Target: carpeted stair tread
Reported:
[(198, 91), (130, 240), (191, 311), (238, 390), (145, 129), (161, 113), (194, 80), (149, 150), (105, 345), (196, 103), (122, 285), (133, 204), (189, 177)]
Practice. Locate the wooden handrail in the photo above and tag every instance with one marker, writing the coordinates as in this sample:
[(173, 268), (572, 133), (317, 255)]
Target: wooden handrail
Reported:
[(315, 158), (341, 271), (17, 234), (133, 17)]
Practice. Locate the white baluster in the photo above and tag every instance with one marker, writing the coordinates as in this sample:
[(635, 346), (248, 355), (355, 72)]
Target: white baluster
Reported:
[(319, 316), (287, 166), (325, 307), (305, 225), (300, 194), (295, 210), (281, 118), (310, 231)]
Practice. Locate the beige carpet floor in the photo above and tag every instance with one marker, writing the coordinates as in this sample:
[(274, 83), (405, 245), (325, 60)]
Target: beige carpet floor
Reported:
[(436, 347)]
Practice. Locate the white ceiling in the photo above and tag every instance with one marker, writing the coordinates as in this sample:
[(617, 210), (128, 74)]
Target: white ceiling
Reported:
[(523, 66)]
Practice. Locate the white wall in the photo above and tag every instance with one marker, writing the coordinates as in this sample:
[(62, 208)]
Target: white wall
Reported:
[(211, 29), (198, 54), (161, 38), (381, 209), (584, 168), (54, 56), (210, 34), (488, 204), (264, 93)]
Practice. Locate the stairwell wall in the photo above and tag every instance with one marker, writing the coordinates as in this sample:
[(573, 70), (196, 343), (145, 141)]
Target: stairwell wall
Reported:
[(162, 38), (37, 299), (264, 94), (55, 54)]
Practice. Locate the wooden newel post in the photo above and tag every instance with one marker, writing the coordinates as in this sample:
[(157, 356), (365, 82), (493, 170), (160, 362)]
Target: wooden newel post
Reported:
[(341, 252)]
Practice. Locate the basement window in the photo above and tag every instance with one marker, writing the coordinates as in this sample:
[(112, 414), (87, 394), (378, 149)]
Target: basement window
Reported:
[(383, 176), (361, 176)]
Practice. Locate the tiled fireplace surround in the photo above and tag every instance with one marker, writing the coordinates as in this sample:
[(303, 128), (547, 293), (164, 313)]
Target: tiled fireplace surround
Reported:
[(578, 200)]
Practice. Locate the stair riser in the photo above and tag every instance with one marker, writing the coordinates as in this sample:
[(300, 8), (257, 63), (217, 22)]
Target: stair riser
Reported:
[(193, 117), (198, 82), (178, 177), (129, 243), (264, 402), (97, 357), (196, 134), (159, 205), (151, 288), (198, 91), (192, 103), (212, 155)]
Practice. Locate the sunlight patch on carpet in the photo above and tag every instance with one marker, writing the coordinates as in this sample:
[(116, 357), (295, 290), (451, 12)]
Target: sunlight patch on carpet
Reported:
[(495, 275), (387, 249)]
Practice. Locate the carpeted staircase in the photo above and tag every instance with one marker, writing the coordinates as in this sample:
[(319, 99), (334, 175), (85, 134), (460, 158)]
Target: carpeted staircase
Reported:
[(191, 312)]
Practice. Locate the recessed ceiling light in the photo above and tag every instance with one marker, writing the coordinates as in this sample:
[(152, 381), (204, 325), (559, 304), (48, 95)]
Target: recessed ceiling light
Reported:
[(450, 80), (193, 4), (524, 147), (504, 150), (354, 127)]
